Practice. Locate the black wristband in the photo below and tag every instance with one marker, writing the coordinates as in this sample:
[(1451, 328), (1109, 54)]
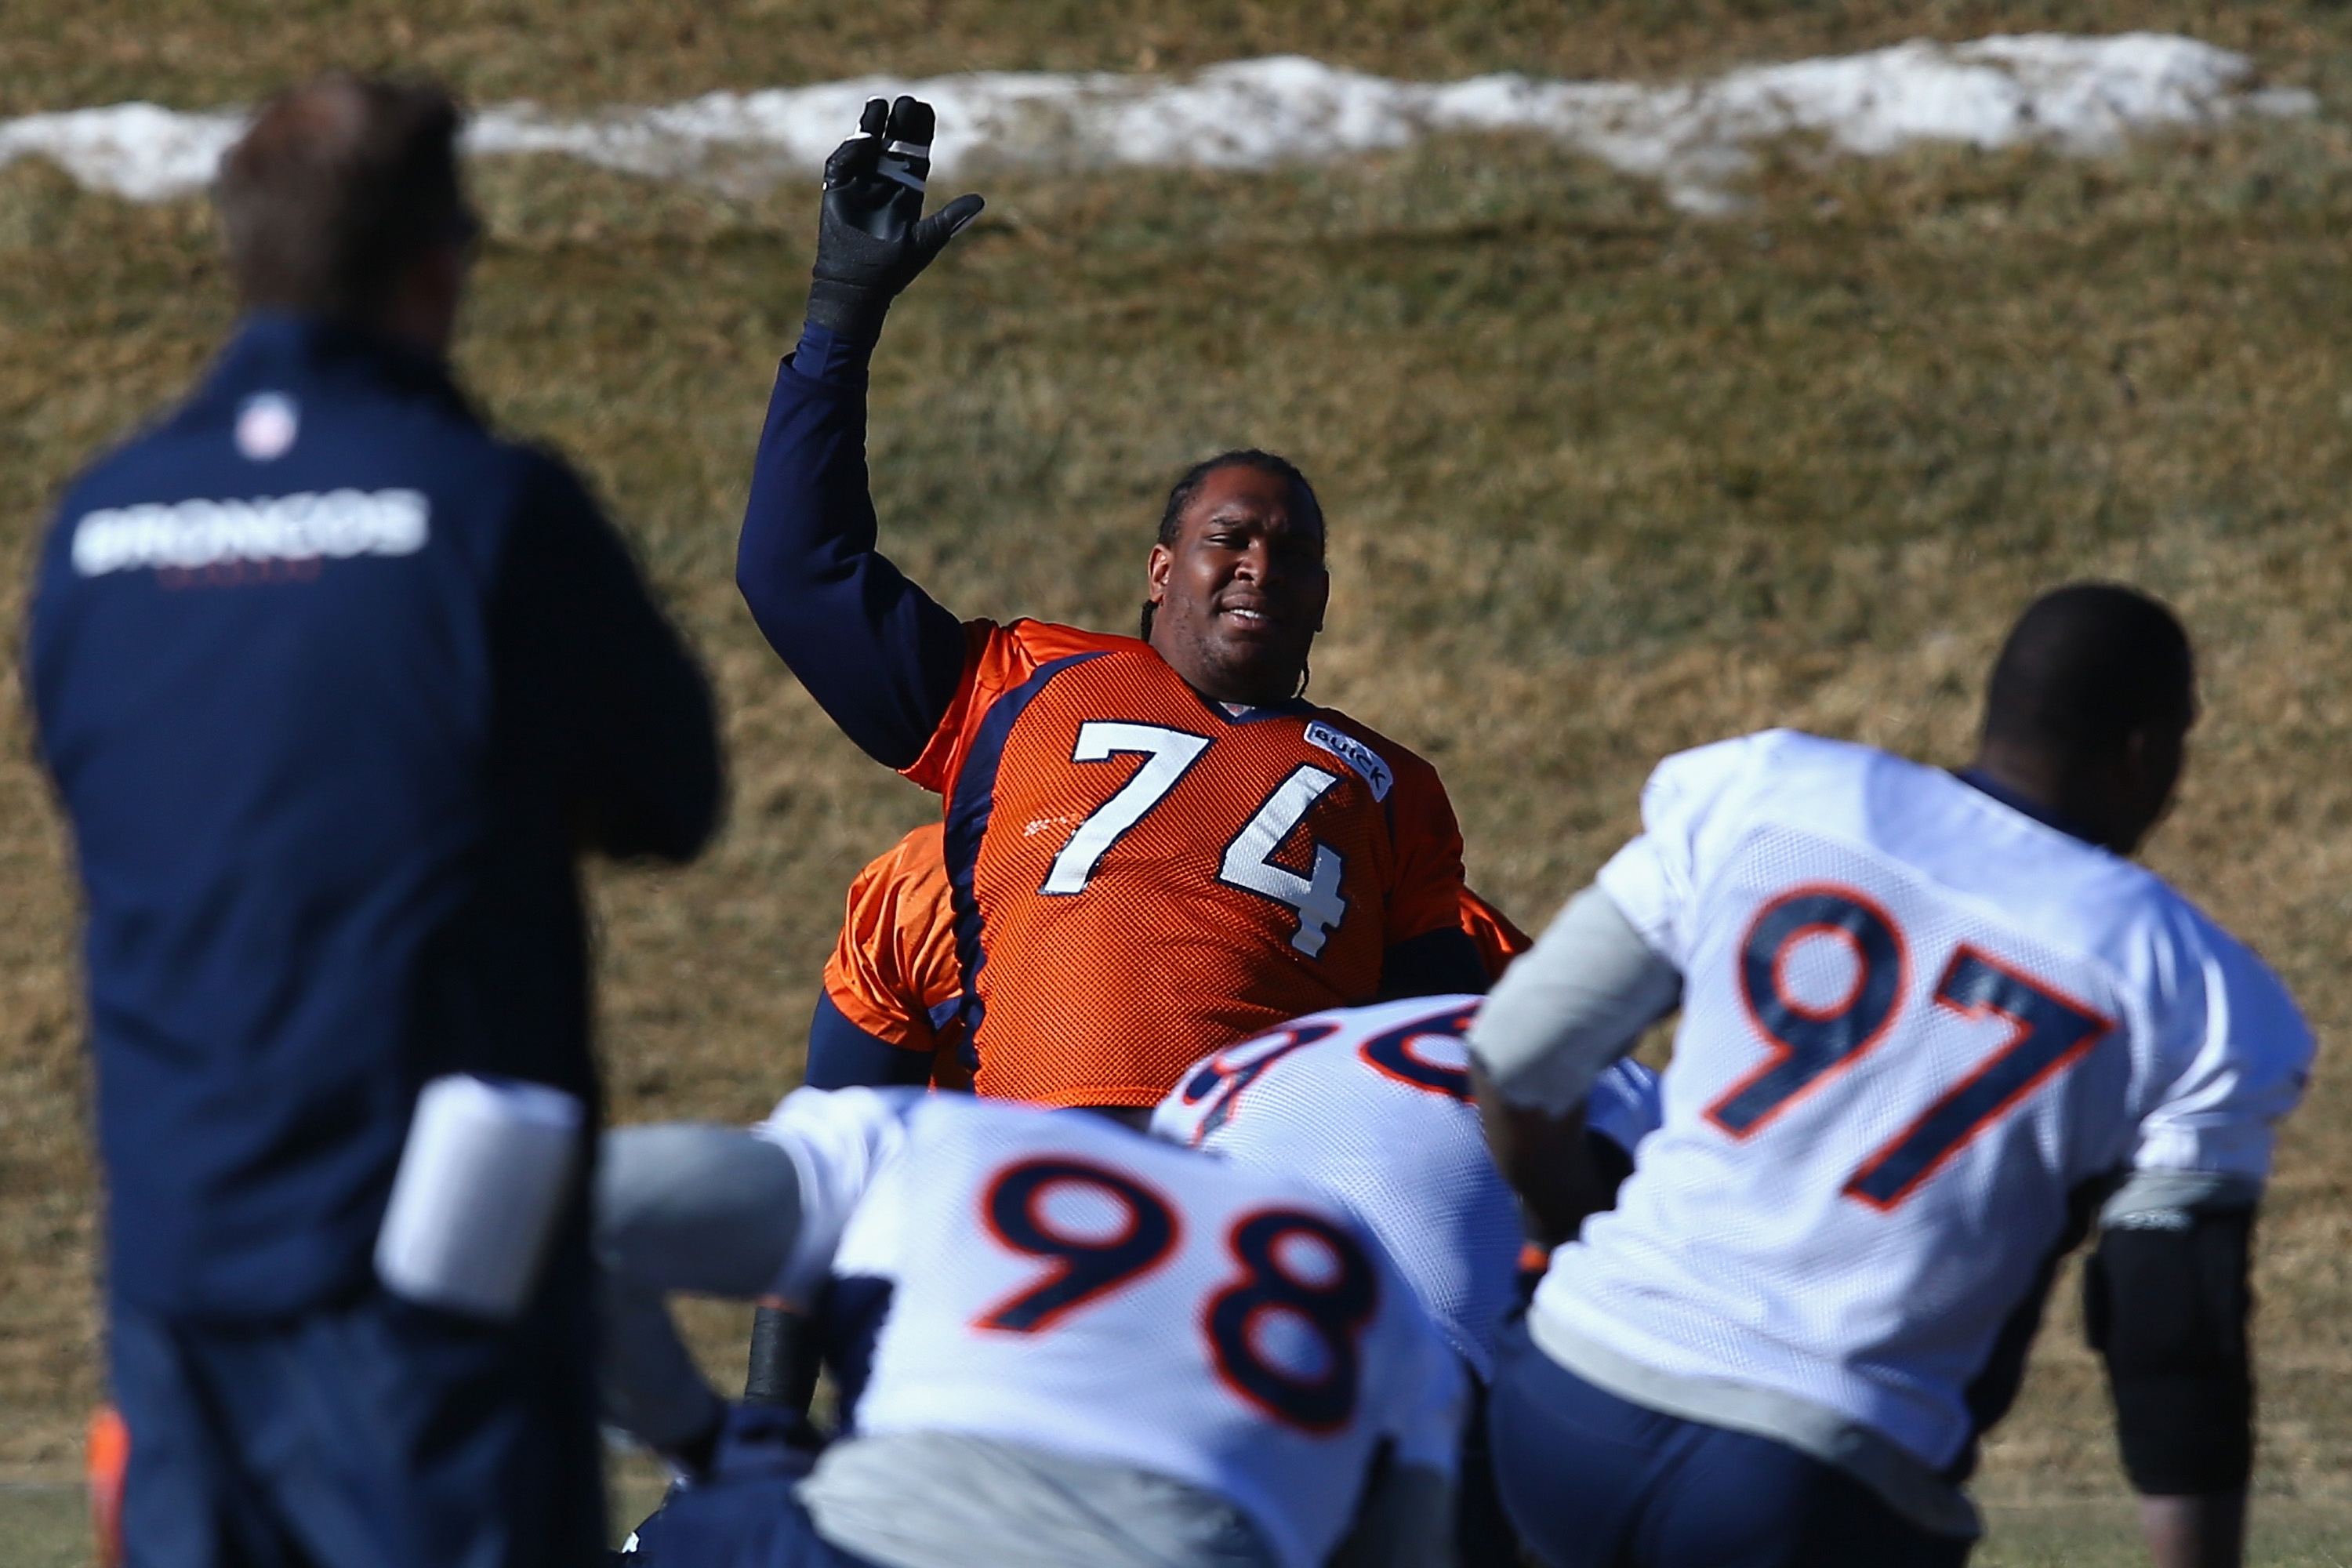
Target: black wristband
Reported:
[(850, 310)]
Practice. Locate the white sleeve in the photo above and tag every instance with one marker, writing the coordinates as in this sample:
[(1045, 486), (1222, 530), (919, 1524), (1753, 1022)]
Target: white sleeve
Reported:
[(1611, 963), (1571, 1006), (1688, 805), (2248, 1058), (838, 1140)]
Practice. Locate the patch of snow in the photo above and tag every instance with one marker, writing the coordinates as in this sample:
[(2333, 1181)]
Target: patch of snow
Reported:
[(141, 151), (2074, 94)]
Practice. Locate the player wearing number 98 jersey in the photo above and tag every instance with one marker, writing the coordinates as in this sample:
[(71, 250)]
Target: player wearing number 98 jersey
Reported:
[(1931, 1026), (1068, 1344)]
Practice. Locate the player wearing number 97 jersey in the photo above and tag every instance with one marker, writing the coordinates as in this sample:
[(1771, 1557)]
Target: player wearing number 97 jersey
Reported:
[(1074, 1344), (1931, 1024)]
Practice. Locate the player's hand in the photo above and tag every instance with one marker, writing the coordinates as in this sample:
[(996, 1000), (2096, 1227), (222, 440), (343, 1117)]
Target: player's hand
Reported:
[(872, 239)]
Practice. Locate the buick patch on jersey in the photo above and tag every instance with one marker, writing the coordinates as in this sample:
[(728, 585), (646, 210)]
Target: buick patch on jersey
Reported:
[(1365, 761)]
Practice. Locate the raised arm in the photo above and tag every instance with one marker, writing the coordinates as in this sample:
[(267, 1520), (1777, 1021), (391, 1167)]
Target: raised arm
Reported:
[(876, 652)]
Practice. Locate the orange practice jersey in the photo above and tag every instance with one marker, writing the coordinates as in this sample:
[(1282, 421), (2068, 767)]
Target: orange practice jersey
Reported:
[(893, 972), (1140, 877)]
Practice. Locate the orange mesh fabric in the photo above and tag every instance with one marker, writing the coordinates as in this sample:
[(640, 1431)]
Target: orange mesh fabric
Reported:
[(1101, 975), (895, 963), (1498, 939), (106, 1461)]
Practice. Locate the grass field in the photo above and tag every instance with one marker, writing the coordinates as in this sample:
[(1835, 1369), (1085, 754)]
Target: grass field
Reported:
[(1605, 481), (45, 1528)]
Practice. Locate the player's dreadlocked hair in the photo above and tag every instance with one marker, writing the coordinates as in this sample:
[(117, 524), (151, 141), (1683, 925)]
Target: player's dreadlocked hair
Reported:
[(1171, 516)]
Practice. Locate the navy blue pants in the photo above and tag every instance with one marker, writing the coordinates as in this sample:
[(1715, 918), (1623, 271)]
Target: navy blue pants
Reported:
[(372, 1435), (1594, 1481), (750, 1520), (1483, 1537)]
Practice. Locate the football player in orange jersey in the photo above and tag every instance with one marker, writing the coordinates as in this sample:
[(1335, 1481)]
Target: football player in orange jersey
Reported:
[(1155, 847), (887, 1012)]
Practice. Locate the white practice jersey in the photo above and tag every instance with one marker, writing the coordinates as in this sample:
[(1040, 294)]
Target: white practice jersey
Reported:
[(1917, 1024), (1058, 1281), (1373, 1104)]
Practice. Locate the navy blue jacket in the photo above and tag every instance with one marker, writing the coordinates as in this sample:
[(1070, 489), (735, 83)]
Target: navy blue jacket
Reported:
[(334, 687)]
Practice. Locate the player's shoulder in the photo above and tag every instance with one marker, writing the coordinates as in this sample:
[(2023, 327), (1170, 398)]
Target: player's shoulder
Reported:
[(2209, 981), (1344, 1028), (988, 1129), (1771, 760), (1318, 1069), (1382, 761), (1014, 657), (1041, 643), (1407, 1059), (853, 1130), (995, 1130), (1418, 1042), (919, 857), (1706, 778), (842, 1144)]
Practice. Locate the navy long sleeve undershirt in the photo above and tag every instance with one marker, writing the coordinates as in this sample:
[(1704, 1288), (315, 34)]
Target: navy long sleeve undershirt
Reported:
[(842, 1056), (879, 654), (1441, 963)]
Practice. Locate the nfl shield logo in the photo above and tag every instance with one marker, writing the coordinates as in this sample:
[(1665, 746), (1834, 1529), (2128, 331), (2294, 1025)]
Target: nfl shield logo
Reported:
[(267, 426)]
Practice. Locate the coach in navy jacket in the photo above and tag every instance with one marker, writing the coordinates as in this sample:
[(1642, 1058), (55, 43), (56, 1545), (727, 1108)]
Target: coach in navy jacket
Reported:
[(335, 687)]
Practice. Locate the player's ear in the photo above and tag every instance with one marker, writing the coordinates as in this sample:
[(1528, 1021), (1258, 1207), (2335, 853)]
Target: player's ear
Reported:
[(1156, 567)]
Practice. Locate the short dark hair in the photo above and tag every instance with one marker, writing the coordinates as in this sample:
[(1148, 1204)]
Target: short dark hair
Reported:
[(338, 185), (1171, 516), (2087, 665)]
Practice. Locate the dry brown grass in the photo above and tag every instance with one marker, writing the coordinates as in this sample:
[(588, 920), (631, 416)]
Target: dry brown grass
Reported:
[(1605, 482)]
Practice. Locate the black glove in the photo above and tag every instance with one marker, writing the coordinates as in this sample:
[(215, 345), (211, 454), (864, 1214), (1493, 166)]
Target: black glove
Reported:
[(873, 238)]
